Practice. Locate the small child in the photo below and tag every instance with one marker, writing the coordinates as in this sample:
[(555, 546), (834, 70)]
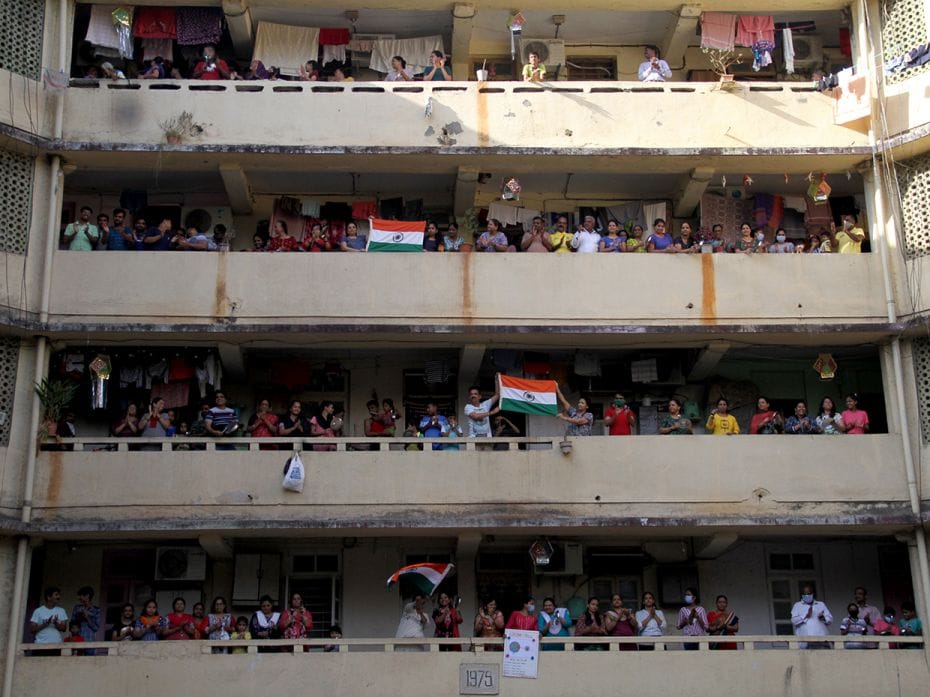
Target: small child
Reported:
[(412, 432), (455, 431), (335, 632), (853, 625), (242, 632), (909, 624), (74, 636)]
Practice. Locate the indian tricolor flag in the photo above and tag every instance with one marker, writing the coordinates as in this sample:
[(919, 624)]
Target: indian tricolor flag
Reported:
[(396, 235), (424, 577), (529, 396)]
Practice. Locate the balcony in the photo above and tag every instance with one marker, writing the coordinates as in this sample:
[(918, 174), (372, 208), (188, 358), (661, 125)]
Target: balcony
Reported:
[(189, 668), (642, 482), (466, 117), (472, 294)]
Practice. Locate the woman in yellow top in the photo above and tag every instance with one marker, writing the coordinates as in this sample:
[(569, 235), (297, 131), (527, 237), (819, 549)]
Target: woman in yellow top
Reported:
[(720, 423)]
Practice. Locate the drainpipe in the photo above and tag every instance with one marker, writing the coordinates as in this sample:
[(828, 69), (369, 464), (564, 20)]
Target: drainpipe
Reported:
[(21, 574), (885, 224)]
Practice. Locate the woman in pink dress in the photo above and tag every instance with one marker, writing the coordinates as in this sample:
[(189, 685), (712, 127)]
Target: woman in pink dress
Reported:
[(620, 621), (855, 420)]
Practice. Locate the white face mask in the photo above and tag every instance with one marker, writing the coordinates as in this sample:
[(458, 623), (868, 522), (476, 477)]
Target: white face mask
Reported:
[(780, 238), (531, 608), (807, 598), (689, 599)]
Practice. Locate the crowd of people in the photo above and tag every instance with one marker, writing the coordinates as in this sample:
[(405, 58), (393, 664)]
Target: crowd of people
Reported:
[(480, 418), (810, 618), (121, 235)]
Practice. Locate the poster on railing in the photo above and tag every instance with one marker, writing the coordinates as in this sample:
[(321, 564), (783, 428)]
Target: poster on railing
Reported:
[(521, 653)]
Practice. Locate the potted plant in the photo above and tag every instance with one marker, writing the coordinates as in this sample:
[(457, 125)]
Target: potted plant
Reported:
[(468, 227), (179, 127), (721, 59), (54, 395)]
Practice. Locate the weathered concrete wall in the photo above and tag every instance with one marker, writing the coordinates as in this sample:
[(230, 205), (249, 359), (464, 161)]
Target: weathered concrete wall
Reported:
[(463, 114), (150, 669), (779, 479), (695, 290)]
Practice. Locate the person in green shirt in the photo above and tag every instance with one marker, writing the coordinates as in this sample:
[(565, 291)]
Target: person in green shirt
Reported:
[(534, 71), (82, 235)]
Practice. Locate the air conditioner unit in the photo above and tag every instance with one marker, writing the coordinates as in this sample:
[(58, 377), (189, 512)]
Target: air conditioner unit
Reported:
[(551, 52), (808, 52), (567, 557), (205, 218), (180, 564)]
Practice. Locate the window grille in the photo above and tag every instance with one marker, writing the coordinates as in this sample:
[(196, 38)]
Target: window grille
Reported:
[(914, 183), (9, 358), (21, 27), (904, 28), (16, 177)]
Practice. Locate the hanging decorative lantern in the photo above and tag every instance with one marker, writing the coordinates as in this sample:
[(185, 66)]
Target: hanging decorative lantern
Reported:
[(511, 189), (100, 370), (826, 366), (541, 552)]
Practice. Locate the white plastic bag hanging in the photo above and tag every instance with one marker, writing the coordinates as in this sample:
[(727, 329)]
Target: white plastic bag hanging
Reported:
[(294, 474)]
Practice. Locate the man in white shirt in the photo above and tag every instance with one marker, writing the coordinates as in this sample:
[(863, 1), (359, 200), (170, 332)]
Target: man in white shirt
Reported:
[(811, 617), (49, 621), (478, 413), (653, 69), (587, 239), (412, 624)]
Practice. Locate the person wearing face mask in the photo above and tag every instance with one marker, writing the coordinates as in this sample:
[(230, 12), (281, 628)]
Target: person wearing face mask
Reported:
[(692, 618), (525, 618), (853, 625), (849, 238), (619, 417), (781, 244), (887, 625), (811, 617)]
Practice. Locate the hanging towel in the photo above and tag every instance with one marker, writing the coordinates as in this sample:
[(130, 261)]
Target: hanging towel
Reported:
[(845, 42), (415, 51), (750, 30), (362, 210), (360, 45), (156, 23), (199, 25), (153, 48), (285, 47), (718, 30), (334, 37), (787, 39), (175, 395), (333, 53), (101, 31)]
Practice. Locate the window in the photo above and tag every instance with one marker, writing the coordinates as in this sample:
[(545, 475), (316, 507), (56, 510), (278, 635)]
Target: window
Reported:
[(591, 68), (317, 578)]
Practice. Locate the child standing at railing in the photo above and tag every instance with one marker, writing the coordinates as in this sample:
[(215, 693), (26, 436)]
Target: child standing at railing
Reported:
[(241, 632)]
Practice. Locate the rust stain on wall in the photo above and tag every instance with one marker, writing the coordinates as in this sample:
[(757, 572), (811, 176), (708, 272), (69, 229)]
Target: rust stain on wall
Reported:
[(467, 300), (484, 135), (53, 492), (221, 302), (709, 290)]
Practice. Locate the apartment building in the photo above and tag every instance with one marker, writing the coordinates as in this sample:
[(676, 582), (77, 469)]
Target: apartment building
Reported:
[(752, 517)]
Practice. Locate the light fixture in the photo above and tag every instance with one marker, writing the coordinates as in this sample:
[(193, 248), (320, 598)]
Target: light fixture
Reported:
[(565, 445), (558, 21), (352, 16), (541, 552)]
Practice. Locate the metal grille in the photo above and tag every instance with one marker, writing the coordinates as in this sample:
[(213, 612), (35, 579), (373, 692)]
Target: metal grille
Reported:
[(21, 25), (16, 176), (9, 358), (904, 28), (914, 183), (921, 349)]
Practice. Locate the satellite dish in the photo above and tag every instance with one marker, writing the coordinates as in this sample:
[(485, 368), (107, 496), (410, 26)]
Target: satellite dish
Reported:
[(539, 48)]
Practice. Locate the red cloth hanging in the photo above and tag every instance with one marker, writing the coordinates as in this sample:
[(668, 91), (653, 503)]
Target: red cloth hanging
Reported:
[(291, 374), (845, 46), (751, 29), (334, 37), (362, 210), (156, 23), (180, 369)]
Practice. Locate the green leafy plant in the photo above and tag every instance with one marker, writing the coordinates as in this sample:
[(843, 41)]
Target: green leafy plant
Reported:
[(54, 395), (468, 224)]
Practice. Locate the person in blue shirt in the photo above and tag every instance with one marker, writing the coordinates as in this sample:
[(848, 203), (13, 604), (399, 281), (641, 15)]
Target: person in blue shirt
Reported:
[(438, 69), (434, 424)]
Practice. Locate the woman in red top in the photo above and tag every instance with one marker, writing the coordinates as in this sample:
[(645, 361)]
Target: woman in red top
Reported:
[(281, 240), (766, 419), (315, 242), (180, 624), (263, 424), (524, 618), (620, 621), (723, 622), (200, 621), (296, 621), (447, 619)]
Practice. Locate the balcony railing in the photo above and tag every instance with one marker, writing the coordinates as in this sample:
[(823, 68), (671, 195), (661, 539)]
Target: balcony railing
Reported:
[(575, 482), (710, 291), (381, 115), (369, 666)]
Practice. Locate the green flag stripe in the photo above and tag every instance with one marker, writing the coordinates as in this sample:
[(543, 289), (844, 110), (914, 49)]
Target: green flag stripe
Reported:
[(529, 407)]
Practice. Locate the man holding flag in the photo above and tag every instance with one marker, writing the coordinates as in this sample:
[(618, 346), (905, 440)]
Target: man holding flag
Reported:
[(478, 412), (544, 397)]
